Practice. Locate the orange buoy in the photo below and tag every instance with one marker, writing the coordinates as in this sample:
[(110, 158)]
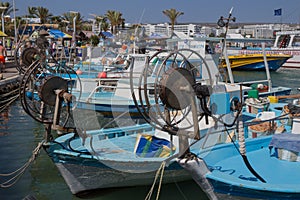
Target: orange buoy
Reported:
[(102, 75), (78, 72)]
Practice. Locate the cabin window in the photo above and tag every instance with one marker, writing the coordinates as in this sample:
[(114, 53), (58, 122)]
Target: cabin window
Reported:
[(296, 41), (283, 41)]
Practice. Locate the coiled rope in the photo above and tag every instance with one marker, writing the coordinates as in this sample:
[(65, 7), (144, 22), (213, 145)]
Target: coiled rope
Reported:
[(160, 172), (16, 175)]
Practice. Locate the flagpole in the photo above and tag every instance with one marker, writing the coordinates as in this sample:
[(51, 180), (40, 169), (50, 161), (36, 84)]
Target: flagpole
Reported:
[(280, 22)]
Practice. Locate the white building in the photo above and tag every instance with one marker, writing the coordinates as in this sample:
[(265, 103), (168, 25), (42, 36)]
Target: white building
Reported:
[(188, 29)]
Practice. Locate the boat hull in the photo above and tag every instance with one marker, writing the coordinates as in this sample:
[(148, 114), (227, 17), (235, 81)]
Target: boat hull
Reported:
[(109, 160), (274, 65), (256, 62), (229, 174), (82, 178)]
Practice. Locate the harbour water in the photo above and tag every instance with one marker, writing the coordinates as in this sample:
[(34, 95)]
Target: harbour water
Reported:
[(19, 135)]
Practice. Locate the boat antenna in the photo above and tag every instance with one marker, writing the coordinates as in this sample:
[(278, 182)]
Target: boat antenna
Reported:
[(224, 22), (136, 29)]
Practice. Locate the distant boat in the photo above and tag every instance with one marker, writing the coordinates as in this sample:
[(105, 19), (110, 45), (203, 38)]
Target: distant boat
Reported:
[(256, 61), (286, 42)]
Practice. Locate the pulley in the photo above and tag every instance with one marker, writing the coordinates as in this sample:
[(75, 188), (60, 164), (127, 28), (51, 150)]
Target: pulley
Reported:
[(172, 84), (47, 90)]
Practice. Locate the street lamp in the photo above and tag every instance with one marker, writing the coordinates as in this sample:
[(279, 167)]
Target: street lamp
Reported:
[(67, 22), (100, 19), (15, 23), (93, 26), (74, 26), (2, 8)]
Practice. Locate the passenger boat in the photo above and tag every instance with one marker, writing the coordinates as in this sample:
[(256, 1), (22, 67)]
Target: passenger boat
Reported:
[(256, 61), (286, 43)]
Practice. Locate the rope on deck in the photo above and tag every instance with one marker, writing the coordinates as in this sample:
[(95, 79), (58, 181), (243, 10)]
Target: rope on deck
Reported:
[(16, 175), (160, 172)]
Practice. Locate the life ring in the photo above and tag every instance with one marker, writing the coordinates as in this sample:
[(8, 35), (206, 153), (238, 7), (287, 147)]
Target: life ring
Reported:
[(102, 75), (262, 88)]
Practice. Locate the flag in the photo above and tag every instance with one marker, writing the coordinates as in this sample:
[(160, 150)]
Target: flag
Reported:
[(151, 146), (277, 12)]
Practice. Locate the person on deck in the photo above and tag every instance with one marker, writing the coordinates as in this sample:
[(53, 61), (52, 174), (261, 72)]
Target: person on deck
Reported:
[(3, 55)]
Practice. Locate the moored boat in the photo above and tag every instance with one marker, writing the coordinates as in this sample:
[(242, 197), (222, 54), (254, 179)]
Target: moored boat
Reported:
[(108, 159), (256, 61), (286, 43), (182, 86)]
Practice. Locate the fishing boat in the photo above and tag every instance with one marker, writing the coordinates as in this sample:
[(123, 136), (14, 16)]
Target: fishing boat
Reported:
[(110, 93), (90, 157), (256, 61), (273, 160), (108, 159)]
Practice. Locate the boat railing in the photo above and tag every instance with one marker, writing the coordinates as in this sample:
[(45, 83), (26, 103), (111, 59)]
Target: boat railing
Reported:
[(110, 133), (102, 87), (251, 130), (268, 76), (256, 81)]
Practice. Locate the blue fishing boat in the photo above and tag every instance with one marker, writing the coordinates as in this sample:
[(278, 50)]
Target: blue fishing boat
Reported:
[(110, 158), (174, 102), (274, 158)]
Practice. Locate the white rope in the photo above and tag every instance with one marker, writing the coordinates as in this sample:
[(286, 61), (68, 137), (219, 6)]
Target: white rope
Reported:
[(19, 172), (241, 138), (160, 172)]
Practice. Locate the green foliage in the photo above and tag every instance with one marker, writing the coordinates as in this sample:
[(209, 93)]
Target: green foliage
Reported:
[(94, 40), (172, 14)]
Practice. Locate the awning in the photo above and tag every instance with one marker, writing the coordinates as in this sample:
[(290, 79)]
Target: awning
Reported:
[(2, 34), (58, 34), (107, 34)]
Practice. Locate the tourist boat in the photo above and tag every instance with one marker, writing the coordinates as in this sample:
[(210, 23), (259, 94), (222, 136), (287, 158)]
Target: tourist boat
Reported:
[(286, 43), (256, 61)]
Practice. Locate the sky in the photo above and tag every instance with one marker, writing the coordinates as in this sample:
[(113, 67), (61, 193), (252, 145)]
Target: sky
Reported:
[(195, 11)]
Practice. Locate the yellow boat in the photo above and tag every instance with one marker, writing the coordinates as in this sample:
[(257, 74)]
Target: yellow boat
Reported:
[(256, 61)]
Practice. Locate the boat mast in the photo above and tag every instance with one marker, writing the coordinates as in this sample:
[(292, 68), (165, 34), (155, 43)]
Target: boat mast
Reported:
[(221, 23)]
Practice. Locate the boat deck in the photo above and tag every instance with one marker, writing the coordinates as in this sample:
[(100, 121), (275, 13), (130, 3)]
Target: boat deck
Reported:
[(280, 175)]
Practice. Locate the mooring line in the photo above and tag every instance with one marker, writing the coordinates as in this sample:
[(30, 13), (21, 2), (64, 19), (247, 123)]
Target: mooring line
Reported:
[(160, 172), (19, 172)]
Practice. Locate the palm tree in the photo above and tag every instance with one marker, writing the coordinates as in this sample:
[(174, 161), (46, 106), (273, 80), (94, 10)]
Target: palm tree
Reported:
[(8, 8), (40, 12), (43, 14), (69, 16), (115, 19), (105, 26), (55, 19), (101, 20), (172, 14), (31, 12)]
